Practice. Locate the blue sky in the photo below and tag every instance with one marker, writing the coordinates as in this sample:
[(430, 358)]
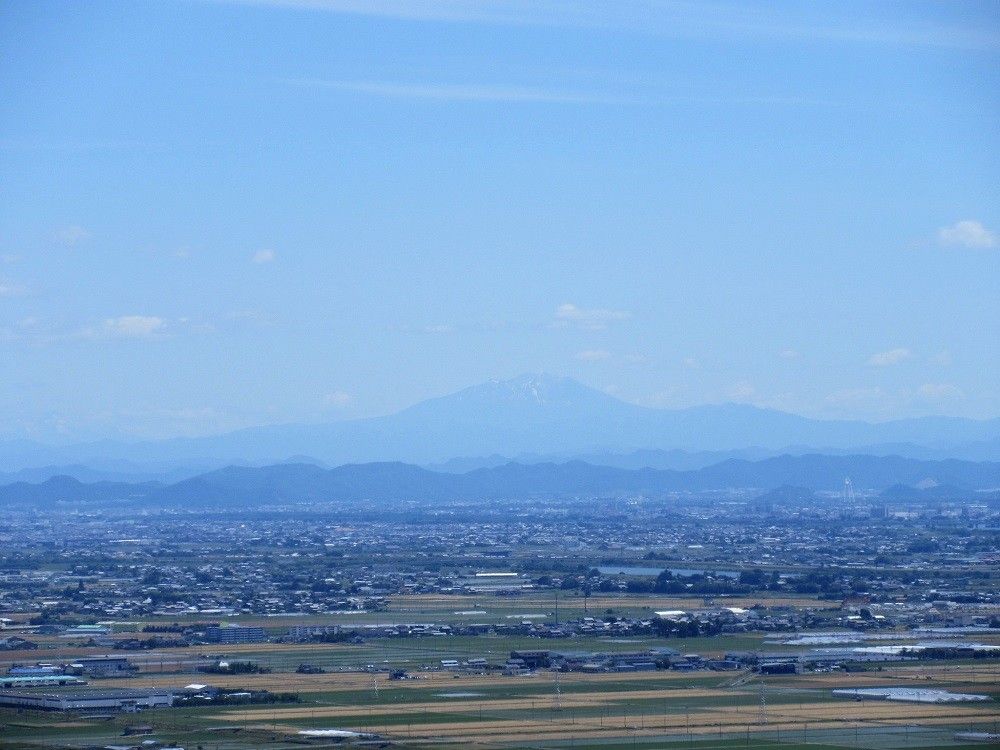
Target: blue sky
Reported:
[(218, 214)]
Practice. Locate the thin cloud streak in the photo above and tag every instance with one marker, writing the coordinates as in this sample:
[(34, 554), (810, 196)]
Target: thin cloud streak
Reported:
[(512, 94), (454, 92), (666, 18)]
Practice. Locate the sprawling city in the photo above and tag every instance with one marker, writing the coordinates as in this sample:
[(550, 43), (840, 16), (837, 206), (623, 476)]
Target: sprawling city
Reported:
[(618, 619)]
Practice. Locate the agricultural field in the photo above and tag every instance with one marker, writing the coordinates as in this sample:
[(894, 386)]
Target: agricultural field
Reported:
[(442, 710), (566, 628)]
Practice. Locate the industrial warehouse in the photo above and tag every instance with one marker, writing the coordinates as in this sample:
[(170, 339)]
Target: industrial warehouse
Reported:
[(8, 681), (83, 700)]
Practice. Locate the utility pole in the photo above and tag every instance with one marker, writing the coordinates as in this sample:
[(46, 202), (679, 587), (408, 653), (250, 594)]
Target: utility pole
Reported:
[(762, 710)]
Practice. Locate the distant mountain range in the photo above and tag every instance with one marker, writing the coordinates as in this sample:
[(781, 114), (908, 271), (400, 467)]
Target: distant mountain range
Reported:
[(686, 460), (101, 472), (536, 415), (379, 484)]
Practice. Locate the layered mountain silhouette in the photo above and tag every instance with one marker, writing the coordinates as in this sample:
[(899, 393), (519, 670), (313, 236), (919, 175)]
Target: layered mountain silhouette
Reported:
[(381, 484), (531, 414)]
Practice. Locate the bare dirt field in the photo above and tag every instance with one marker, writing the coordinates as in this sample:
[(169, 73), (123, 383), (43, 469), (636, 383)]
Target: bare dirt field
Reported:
[(788, 718), (352, 681), (595, 604), (609, 713)]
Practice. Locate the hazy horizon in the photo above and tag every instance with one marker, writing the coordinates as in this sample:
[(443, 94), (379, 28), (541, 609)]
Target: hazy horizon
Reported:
[(477, 386), (219, 215)]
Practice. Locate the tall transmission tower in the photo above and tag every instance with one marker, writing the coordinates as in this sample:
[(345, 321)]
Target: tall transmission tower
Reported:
[(848, 490)]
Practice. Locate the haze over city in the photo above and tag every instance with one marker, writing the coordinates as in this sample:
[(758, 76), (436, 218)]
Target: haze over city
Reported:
[(225, 214)]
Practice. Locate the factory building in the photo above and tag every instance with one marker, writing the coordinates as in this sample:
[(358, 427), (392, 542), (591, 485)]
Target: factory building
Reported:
[(532, 659), (103, 666), (88, 700), (9, 681), (235, 634), (34, 670)]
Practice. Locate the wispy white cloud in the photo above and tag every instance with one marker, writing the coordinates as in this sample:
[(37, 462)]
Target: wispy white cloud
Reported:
[(134, 326), (593, 355), (454, 92), (46, 331), (939, 391), (668, 18), (968, 233), (514, 94), (11, 289), (592, 319), (72, 235), (337, 399), (263, 256), (789, 354), (433, 329), (890, 357), (855, 397), (742, 391)]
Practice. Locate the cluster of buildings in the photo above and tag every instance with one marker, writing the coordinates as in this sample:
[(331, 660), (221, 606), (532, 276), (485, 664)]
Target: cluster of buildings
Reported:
[(106, 566), (132, 700), (68, 579)]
